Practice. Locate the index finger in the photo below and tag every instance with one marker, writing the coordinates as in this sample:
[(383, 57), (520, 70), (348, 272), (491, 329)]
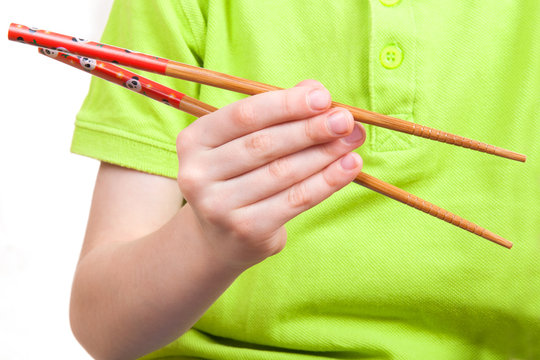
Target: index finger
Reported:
[(260, 111)]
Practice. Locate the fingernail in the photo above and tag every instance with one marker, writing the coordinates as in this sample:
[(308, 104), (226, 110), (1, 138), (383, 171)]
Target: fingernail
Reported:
[(355, 136), (349, 162), (318, 99), (337, 122)]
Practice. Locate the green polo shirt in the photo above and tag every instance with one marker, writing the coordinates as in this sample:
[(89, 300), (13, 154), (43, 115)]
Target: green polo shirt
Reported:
[(362, 276)]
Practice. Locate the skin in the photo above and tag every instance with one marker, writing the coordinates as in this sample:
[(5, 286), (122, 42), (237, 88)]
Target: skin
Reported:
[(137, 286)]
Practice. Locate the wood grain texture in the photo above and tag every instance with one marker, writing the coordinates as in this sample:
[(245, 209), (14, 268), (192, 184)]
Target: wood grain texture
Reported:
[(249, 87), (195, 107), (403, 196)]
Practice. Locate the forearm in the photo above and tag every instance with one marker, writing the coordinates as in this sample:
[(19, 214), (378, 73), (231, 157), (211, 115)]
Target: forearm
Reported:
[(130, 298)]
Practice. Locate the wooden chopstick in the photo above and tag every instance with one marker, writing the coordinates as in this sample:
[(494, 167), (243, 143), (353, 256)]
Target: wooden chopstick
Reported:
[(179, 70), (249, 87), (132, 81), (198, 108), (409, 199)]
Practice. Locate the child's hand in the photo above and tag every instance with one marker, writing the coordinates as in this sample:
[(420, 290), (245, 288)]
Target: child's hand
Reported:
[(245, 171), (253, 165)]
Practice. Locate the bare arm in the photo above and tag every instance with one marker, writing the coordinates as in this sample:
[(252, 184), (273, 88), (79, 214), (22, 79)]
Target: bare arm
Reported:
[(149, 269), (135, 270)]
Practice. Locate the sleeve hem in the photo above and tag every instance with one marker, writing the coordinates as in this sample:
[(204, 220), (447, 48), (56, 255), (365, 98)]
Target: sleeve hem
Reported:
[(124, 151)]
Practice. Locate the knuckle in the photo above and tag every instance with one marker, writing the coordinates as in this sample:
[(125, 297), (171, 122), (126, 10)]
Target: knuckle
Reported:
[(190, 179), (259, 143), (311, 130), (311, 83), (332, 149), (244, 115), (213, 209), (329, 177), (242, 227), (287, 104), (315, 83), (280, 168), (298, 196), (183, 140)]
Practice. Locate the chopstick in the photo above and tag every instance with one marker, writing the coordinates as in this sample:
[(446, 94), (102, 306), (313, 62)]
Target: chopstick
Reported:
[(133, 82), (179, 70), (198, 108), (406, 198)]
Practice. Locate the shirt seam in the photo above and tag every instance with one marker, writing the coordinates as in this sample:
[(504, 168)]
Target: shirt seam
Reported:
[(197, 40), (415, 64), (125, 134)]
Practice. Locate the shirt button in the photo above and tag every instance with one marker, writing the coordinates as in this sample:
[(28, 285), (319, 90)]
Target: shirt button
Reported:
[(391, 56), (389, 2)]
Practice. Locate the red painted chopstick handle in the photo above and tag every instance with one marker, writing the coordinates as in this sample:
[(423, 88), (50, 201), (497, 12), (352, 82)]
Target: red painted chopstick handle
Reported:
[(90, 49), (119, 76)]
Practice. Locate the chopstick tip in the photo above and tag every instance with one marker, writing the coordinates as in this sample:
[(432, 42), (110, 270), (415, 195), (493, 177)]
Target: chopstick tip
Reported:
[(503, 242), (510, 155), (497, 239)]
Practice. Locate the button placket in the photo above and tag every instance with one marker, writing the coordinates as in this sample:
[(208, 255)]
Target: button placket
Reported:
[(392, 69)]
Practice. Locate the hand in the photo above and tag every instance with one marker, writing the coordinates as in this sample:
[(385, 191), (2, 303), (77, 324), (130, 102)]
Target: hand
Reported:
[(248, 168)]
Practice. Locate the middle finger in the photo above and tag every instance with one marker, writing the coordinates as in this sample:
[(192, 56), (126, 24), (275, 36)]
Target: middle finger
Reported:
[(264, 146)]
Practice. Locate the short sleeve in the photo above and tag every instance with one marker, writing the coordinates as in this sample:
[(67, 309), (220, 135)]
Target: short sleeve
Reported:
[(121, 127)]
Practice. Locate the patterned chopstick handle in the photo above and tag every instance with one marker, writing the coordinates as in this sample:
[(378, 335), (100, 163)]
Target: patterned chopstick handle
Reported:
[(120, 76), (90, 49)]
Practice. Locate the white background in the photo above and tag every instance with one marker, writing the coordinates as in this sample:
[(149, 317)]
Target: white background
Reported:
[(45, 191)]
